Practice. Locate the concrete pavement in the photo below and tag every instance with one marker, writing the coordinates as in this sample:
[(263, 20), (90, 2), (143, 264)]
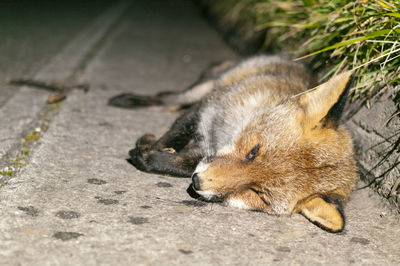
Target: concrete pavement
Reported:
[(74, 200)]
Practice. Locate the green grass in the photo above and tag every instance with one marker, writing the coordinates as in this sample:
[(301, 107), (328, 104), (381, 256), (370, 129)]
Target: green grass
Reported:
[(32, 137), (332, 36)]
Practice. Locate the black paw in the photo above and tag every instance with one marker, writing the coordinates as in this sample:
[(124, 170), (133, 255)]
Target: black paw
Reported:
[(139, 158), (128, 100), (145, 140), (149, 160), (160, 162)]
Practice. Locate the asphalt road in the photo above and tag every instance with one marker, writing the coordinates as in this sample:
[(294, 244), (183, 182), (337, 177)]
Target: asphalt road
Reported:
[(68, 196)]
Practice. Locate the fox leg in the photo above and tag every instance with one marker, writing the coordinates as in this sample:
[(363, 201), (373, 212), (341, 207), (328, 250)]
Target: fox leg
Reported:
[(181, 132), (185, 98), (178, 99), (175, 153)]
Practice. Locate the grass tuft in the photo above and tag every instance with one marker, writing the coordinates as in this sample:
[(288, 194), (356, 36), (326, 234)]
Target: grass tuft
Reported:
[(333, 36)]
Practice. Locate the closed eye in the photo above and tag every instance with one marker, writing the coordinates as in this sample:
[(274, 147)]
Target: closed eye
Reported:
[(252, 154)]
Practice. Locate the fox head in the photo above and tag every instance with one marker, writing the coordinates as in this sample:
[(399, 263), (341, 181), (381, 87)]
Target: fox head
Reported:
[(292, 157)]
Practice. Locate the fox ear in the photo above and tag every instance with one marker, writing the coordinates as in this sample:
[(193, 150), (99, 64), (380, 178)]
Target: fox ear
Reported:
[(327, 100), (324, 211)]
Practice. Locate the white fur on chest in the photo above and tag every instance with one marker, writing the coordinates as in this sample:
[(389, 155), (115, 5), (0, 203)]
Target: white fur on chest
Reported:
[(224, 118)]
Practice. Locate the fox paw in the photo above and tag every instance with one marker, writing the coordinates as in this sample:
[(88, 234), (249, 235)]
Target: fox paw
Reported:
[(145, 141), (151, 161), (143, 150), (144, 158), (139, 158)]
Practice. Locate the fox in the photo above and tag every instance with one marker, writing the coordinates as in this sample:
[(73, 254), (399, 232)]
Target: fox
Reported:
[(259, 134)]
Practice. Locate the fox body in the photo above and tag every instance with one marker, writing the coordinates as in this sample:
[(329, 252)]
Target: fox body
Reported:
[(256, 137)]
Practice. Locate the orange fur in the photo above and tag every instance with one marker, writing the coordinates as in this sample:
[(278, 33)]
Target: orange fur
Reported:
[(299, 157)]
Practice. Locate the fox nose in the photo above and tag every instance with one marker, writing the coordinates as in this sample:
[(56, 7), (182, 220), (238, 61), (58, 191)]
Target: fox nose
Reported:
[(196, 181)]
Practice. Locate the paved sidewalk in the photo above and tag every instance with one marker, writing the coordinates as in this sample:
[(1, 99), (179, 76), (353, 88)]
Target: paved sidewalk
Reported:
[(78, 202)]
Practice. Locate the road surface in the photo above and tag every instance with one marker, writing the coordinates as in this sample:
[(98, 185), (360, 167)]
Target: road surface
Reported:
[(69, 197)]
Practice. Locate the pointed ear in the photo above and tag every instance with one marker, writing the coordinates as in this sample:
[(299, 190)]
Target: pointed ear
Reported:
[(324, 211), (318, 103)]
